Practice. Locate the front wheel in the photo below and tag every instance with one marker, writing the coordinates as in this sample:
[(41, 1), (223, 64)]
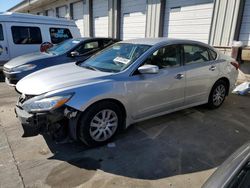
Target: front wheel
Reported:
[(99, 124), (217, 94)]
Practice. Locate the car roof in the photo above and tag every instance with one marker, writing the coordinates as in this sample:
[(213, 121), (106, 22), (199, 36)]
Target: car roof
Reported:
[(30, 18), (156, 41), (90, 38)]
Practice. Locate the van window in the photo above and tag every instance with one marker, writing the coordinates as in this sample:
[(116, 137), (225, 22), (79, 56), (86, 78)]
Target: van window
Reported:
[(1, 32), (58, 35), (26, 35)]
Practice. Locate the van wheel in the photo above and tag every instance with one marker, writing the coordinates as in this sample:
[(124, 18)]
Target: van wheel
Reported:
[(217, 94), (99, 124)]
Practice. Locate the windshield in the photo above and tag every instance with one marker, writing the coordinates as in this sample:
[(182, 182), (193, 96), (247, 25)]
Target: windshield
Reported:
[(63, 47), (116, 58)]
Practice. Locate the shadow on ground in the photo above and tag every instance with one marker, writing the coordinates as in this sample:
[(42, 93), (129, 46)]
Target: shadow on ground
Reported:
[(188, 141)]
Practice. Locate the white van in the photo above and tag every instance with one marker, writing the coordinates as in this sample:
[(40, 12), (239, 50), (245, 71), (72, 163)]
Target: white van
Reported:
[(24, 33)]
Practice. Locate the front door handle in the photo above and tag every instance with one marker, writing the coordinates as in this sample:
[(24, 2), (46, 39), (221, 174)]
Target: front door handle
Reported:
[(179, 76), (212, 68)]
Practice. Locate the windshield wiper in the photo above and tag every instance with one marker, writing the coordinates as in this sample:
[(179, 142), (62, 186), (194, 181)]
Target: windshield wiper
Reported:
[(90, 67)]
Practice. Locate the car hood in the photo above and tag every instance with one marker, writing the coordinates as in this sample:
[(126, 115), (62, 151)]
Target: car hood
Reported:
[(27, 58), (58, 77)]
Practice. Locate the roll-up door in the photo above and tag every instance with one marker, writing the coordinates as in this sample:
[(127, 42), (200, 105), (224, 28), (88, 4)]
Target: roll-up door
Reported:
[(62, 11), (245, 26), (100, 18), (77, 9), (188, 19), (133, 19)]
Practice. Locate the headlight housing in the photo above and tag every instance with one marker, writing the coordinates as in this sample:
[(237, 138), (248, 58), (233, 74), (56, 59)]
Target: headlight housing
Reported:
[(21, 68), (46, 104)]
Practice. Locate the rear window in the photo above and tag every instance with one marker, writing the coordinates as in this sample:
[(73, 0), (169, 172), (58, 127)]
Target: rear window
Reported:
[(26, 35), (1, 32), (58, 35)]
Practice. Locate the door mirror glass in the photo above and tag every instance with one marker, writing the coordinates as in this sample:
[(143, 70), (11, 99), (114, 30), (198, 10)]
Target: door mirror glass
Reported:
[(148, 69), (74, 54)]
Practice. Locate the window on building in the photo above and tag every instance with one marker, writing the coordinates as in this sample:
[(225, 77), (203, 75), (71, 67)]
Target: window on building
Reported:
[(1, 32), (58, 35), (165, 57), (26, 35), (195, 54)]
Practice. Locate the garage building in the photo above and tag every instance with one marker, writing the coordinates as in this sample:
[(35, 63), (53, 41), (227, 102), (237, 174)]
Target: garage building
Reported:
[(217, 22)]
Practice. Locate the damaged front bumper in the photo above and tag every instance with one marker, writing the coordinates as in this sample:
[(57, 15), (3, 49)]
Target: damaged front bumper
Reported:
[(33, 124), (39, 123)]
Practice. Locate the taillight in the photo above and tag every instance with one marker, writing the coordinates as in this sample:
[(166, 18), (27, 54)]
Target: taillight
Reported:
[(235, 64)]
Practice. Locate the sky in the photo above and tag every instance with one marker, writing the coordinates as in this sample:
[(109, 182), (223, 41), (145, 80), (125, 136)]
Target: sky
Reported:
[(6, 4)]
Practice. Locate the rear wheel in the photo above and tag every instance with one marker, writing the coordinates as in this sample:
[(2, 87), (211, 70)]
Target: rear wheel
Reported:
[(217, 94), (100, 123)]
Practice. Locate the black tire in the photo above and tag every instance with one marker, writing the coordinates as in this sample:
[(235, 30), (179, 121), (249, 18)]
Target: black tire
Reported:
[(84, 124), (212, 104)]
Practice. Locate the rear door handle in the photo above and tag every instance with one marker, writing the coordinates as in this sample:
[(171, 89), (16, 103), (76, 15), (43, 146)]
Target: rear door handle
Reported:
[(212, 68), (179, 76)]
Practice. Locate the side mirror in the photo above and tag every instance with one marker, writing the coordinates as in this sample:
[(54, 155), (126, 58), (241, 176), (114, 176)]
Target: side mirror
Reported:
[(74, 54), (148, 69)]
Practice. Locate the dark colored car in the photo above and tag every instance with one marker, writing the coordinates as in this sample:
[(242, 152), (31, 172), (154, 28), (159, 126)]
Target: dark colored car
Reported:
[(72, 50), (234, 172)]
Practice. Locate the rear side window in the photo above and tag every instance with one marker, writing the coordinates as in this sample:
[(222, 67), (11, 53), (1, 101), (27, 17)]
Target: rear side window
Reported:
[(58, 35), (195, 54), (26, 35), (107, 42), (1, 32)]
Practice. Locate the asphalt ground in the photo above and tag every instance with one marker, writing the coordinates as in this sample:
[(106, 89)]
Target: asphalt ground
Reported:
[(180, 149)]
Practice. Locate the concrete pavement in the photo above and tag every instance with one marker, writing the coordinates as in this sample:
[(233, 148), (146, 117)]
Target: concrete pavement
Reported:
[(179, 150)]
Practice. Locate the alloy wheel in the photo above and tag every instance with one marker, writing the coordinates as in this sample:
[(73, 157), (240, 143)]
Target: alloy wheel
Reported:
[(103, 125), (219, 95)]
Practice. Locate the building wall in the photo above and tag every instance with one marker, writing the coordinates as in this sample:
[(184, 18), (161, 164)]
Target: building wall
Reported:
[(220, 24)]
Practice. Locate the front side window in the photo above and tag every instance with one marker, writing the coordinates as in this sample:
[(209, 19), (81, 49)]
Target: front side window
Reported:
[(58, 35), (26, 35), (87, 47), (165, 57), (195, 54), (1, 33), (116, 58)]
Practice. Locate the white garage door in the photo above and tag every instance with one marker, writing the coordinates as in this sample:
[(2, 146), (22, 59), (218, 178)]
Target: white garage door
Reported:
[(62, 11), (188, 19), (245, 27), (50, 13), (100, 18), (78, 15), (133, 19)]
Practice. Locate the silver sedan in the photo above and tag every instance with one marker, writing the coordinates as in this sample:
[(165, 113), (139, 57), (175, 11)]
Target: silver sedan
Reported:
[(128, 82)]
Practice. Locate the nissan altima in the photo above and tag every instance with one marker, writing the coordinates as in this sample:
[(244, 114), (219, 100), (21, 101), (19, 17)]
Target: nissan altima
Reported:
[(128, 82)]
